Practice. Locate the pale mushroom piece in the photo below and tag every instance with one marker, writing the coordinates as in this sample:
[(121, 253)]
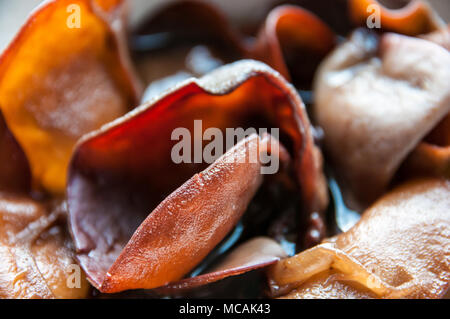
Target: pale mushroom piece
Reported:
[(376, 99), (399, 249)]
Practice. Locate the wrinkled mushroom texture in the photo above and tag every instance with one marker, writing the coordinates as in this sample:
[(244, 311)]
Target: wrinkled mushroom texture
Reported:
[(376, 100), (120, 173), (399, 249), (413, 18), (58, 82), (36, 258)]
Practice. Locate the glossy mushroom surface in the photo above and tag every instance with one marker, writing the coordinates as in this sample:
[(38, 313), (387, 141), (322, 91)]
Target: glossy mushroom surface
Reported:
[(122, 172), (376, 99), (61, 78), (399, 249)]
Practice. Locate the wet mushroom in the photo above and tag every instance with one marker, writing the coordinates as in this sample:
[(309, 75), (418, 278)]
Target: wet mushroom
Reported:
[(399, 249), (410, 17), (376, 100), (122, 172), (292, 40), (59, 81), (36, 253)]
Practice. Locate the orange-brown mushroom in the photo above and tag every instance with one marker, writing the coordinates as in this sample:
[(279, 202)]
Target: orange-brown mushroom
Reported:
[(189, 223), (121, 173), (66, 73), (415, 18), (292, 40), (37, 259), (36, 254)]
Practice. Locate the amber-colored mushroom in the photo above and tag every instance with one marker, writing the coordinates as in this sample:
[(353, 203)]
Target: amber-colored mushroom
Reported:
[(120, 173), (36, 257), (415, 18), (292, 40), (65, 74)]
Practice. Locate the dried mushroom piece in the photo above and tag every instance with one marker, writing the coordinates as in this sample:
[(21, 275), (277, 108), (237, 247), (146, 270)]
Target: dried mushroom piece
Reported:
[(65, 74), (376, 100), (413, 18), (399, 249), (120, 173), (35, 252), (189, 223), (292, 40)]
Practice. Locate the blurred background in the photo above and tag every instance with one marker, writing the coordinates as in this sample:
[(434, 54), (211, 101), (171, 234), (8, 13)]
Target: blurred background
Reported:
[(14, 12)]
